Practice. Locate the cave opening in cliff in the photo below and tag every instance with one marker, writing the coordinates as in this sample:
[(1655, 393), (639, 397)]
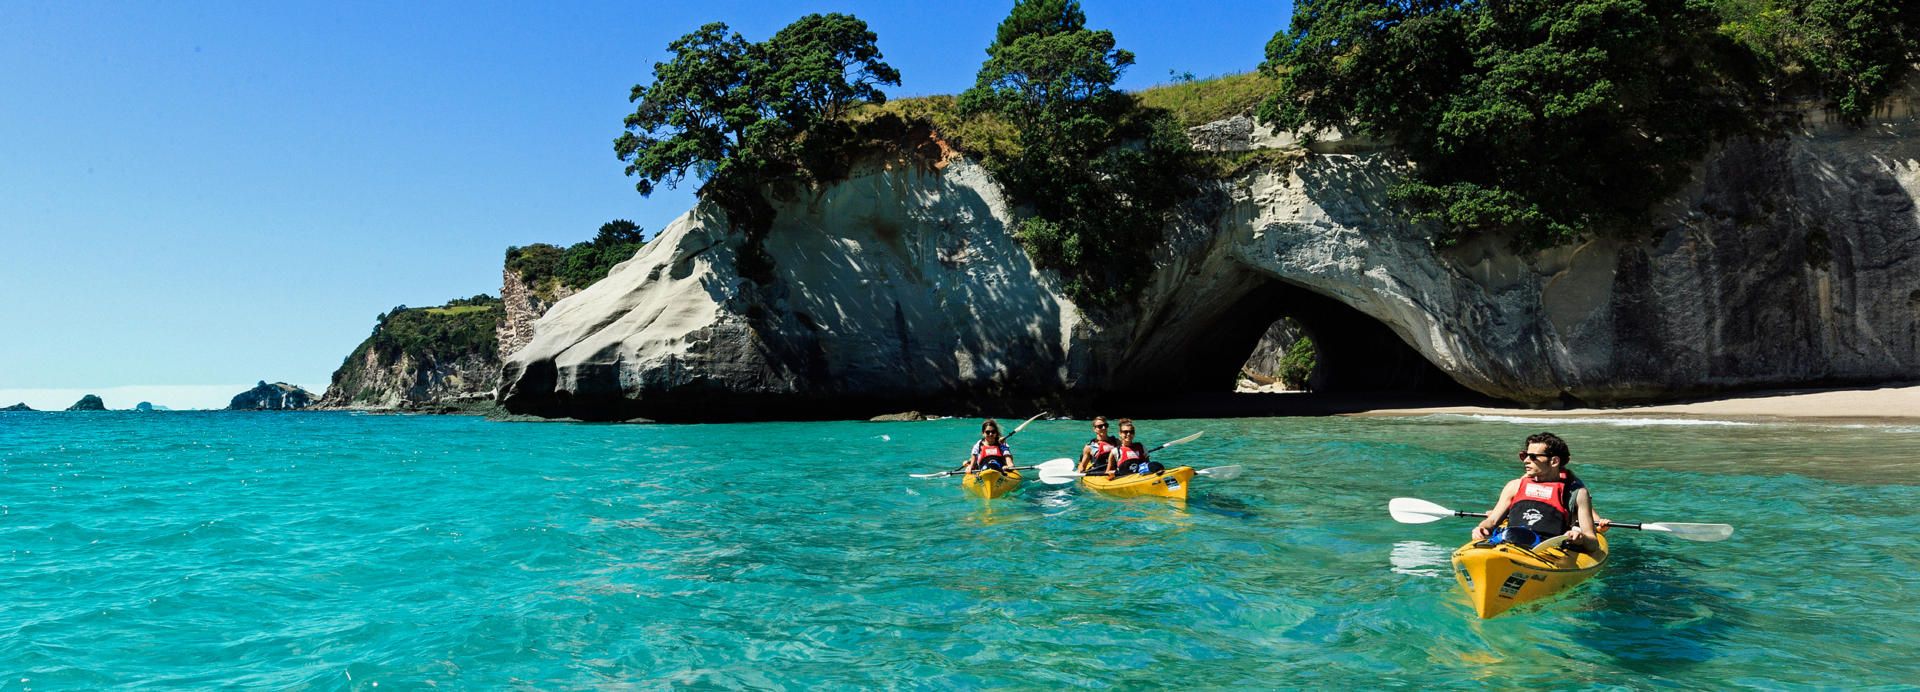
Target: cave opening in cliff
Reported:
[(1351, 352), (1359, 362)]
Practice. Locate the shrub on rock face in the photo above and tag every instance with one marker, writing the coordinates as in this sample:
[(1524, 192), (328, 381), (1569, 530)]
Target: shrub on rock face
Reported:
[(1296, 367), (544, 268)]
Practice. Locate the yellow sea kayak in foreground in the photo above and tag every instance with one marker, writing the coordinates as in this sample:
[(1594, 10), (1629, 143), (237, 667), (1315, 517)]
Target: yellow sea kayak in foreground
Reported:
[(1503, 576), (1172, 483), (990, 483)]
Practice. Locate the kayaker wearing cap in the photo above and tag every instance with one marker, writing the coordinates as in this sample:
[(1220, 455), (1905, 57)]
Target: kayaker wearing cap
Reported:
[(989, 452), (1542, 503), (1094, 456), (1129, 456)]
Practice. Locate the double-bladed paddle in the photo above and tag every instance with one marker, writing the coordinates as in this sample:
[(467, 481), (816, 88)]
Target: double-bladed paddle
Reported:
[(1408, 510), (958, 471)]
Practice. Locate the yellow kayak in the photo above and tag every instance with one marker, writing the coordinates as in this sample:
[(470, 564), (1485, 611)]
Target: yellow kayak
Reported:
[(1503, 576), (990, 483), (1172, 483)]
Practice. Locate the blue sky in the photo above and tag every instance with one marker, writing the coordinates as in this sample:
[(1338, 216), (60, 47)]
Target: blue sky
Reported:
[(202, 195)]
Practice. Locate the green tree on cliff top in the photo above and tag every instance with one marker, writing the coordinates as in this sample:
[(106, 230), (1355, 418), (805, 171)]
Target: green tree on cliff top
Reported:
[(1098, 171), (734, 113), (1546, 120), (1540, 119)]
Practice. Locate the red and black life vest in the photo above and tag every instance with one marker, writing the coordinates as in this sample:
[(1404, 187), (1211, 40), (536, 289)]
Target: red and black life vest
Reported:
[(991, 456), (1544, 507), (1133, 458), (1097, 450)]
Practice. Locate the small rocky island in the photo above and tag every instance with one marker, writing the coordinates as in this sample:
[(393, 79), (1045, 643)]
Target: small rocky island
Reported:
[(278, 396), (89, 402), (22, 406)]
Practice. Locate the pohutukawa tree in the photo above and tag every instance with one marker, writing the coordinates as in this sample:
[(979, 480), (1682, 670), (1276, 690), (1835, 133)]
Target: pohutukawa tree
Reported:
[(737, 114), (1097, 202)]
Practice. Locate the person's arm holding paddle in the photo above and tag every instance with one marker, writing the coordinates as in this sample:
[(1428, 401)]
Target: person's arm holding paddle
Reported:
[(1499, 511), (1583, 533)]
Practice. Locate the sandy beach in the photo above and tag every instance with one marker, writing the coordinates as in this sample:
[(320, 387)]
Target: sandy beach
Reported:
[(1865, 405)]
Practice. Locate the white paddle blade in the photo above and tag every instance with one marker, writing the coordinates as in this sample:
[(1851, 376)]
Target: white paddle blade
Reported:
[(1409, 510), (1055, 467), (1223, 473), (1188, 438), (1705, 533), (942, 474), (1023, 426), (1057, 479)]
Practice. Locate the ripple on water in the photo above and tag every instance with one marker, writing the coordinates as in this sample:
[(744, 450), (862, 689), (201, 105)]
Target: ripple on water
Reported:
[(205, 550)]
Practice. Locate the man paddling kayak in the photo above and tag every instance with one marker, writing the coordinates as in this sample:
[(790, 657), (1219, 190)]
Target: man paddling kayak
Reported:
[(990, 452), (1546, 501)]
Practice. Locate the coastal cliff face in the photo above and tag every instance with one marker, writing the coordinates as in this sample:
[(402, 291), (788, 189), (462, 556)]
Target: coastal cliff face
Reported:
[(408, 383), (1793, 260), (523, 306), (900, 283), (420, 358)]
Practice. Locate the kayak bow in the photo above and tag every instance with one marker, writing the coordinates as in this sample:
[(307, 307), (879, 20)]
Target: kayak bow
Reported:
[(1502, 576), (990, 483), (1174, 483)]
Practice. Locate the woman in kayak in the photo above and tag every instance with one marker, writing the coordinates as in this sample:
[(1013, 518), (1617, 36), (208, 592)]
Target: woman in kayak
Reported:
[(989, 452), (1129, 456), (1547, 501), (1094, 457)]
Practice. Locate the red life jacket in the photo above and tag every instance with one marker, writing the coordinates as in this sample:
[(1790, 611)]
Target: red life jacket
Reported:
[(1133, 456), (991, 456), (1544, 507), (1099, 449)]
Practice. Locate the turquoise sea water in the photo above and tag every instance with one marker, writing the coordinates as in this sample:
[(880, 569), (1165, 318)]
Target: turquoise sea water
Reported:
[(337, 551)]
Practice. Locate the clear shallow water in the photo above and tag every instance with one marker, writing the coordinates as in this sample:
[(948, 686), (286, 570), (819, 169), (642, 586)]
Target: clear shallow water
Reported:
[(332, 551)]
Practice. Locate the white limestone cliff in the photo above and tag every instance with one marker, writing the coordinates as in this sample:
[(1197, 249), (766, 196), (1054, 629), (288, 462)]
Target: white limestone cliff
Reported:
[(1792, 260)]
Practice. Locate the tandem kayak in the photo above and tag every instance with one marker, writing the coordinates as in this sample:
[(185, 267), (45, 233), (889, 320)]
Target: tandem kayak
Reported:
[(1173, 482), (1498, 577), (990, 483)]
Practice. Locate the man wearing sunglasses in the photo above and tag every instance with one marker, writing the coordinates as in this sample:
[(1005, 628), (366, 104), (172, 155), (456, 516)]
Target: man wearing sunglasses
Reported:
[(1547, 501)]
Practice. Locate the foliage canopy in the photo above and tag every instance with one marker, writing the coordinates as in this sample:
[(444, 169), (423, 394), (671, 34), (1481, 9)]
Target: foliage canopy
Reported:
[(738, 114), (1537, 118), (1099, 172), (1544, 120), (543, 267)]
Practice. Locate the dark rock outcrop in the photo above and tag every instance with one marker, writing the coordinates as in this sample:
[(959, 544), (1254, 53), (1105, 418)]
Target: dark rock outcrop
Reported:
[(88, 403), (22, 406), (278, 396), (143, 406)]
